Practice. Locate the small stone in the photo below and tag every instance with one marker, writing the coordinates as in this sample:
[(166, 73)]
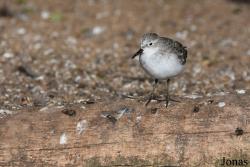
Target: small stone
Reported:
[(45, 15), (77, 79), (71, 40), (69, 112), (196, 109), (98, 30), (239, 132), (241, 91), (138, 119), (221, 104), (102, 15), (4, 113), (81, 126), (21, 31), (8, 55), (193, 96), (122, 111), (228, 42), (182, 35), (193, 28), (248, 52), (48, 51), (154, 110), (27, 71), (109, 117), (63, 138)]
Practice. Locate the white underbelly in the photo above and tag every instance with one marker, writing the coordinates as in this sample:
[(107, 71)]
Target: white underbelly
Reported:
[(161, 66)]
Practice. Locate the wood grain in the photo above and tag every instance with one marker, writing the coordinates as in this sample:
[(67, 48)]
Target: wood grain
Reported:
[(151, 136)]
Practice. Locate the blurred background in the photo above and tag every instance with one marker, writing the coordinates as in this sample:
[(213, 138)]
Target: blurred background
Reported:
[(67, 52)]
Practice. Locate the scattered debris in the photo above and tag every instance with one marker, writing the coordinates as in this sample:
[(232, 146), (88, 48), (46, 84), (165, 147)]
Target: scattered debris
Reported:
[(102, 15), (45, 15), (109, 117), (237, 10), (5, 11), (182, 35), (218, 94), (240, 91), (98, 30), (56, 16), (193, 96), (196, 109), (48, 52), (71, 41), (8, 55), (27, 71), (248, 52), (239, 132), (69, 112), (221, 104), (193, 28), (49, 109), (25, 101), (138, 119), (210, 101), (40, 101), (81, 126), (21, 31), (86, 101), (228, 42), (129, 34), (63, 138), (154, 110), (122, 111), (4, 113)]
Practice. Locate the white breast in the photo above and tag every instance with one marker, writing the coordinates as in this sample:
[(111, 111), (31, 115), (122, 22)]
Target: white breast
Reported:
[(160, 66)]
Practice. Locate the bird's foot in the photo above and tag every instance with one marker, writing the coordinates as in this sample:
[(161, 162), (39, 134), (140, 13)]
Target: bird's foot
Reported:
[(149, 99)]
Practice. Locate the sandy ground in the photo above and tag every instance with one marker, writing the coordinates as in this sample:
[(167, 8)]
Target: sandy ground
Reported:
[(69, 52)]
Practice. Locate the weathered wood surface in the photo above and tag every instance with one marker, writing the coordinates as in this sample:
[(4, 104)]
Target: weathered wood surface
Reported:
[(176, 136)]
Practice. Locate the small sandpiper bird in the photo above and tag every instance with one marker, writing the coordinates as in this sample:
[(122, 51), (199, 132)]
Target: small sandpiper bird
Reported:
[(162, 58)]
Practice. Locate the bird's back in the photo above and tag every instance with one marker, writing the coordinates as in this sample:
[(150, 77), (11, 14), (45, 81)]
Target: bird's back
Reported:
[(175, 47)]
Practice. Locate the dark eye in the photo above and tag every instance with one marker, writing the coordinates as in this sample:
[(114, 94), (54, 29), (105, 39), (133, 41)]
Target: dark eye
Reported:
[(150, 44)]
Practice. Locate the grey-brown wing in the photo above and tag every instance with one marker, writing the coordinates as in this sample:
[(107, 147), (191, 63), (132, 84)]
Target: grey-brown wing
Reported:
[(181, 52), (175, 47)]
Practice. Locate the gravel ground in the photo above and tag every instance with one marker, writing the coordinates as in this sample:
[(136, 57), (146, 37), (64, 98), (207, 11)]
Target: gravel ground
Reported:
[(76, 52)]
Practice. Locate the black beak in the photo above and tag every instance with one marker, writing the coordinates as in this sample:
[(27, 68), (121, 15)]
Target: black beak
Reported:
[(138, 53)]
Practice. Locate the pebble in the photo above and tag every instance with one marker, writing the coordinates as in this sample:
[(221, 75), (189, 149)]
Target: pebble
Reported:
[(81, 126), (193, 96), (241, 91), (4, 113), (21, 31), (98, 30), (63, 138), (71, 40), (45, 15), (182, 35), (248, 52), (138, 119), (221, 104), (8, 55)]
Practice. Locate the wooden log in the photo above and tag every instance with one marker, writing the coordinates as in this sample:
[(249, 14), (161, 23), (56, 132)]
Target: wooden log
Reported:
[(195, 132)]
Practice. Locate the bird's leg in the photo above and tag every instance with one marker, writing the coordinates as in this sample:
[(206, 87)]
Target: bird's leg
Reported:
[(152, 92), (167, 95), (168, 98)]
